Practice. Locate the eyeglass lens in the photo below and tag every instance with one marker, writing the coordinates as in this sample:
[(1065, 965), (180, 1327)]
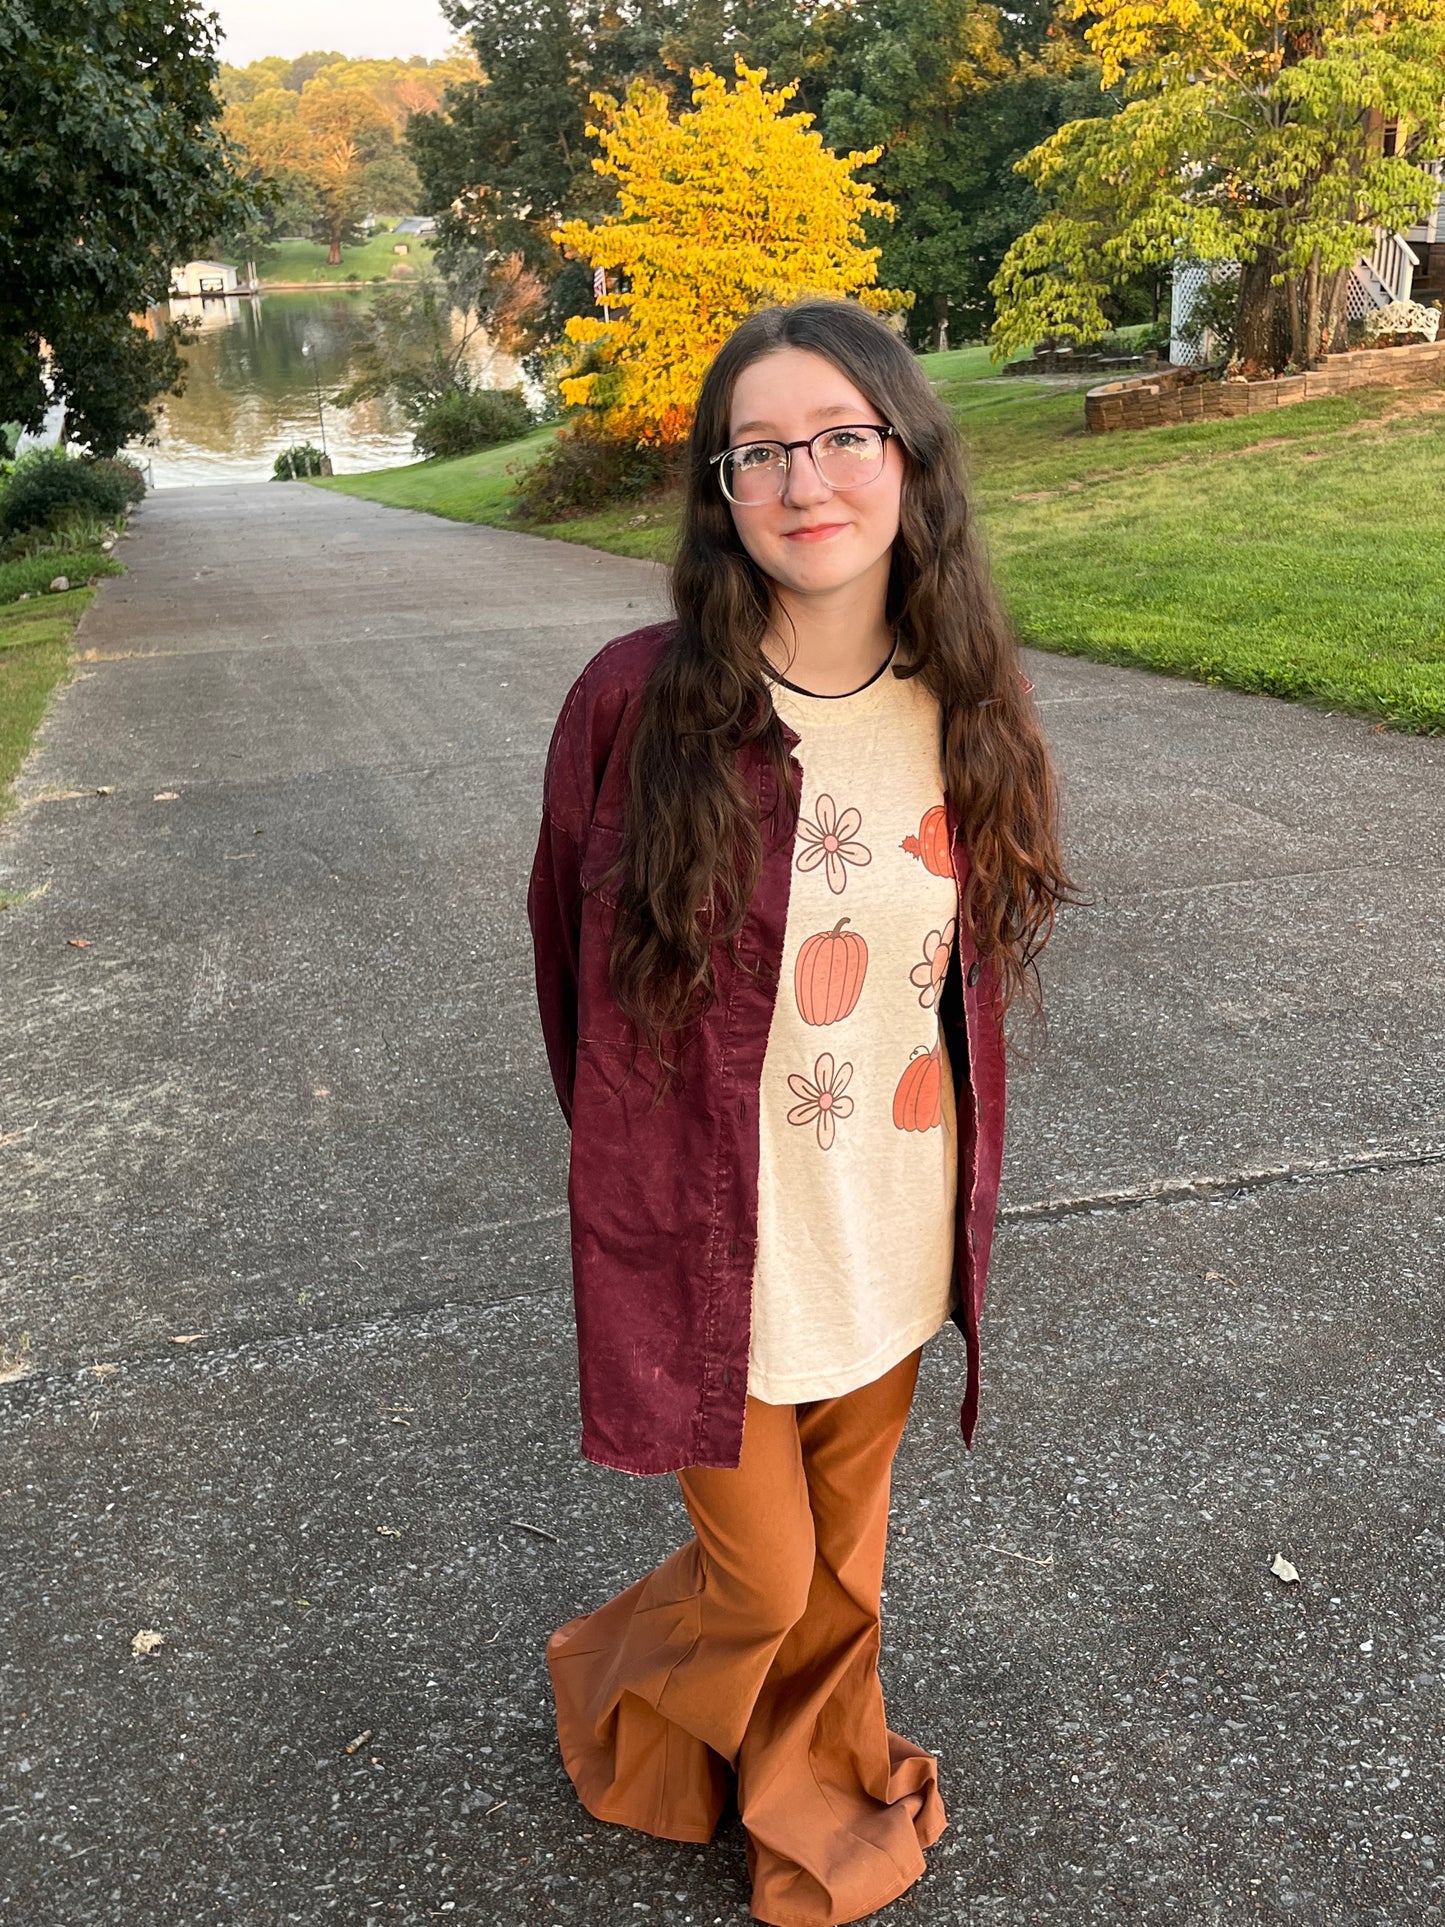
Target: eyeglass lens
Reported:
[(844, 458)]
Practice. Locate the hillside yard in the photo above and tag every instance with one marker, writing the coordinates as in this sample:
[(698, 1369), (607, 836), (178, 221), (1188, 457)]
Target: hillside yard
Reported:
[(1296, 554), (373, 260)]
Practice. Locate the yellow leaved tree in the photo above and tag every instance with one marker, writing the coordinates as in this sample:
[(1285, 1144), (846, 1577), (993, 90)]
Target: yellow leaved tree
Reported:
[(722, 210)]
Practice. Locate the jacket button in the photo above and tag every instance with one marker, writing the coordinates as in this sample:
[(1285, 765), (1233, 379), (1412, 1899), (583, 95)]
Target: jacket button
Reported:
[(972, 975)]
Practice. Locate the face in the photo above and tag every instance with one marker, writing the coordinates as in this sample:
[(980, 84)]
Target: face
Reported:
[(812, 540)]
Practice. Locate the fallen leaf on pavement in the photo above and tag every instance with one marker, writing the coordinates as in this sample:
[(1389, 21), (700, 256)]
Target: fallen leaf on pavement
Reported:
[(78, 943), (166, 796), (186, 1338), (1282, 1569), (147, 1642)]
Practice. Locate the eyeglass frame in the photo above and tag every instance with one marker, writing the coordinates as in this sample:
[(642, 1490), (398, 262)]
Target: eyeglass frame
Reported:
[(885, 429)]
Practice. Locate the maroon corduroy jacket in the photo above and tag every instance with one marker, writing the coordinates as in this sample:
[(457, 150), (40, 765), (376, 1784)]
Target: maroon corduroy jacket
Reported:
[(664, 1201)]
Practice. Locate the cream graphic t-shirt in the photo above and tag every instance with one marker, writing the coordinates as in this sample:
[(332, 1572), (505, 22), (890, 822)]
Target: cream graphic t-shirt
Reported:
[(858, 1138)]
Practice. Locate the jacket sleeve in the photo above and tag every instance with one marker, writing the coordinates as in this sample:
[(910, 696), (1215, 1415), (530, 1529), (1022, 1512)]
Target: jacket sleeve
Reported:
[(554, 911)]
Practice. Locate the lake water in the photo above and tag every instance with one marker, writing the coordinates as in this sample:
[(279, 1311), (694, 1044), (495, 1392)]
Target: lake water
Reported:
[(260, 377)]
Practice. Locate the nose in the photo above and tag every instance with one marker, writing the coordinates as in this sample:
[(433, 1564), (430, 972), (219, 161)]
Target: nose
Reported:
[(802, 484)]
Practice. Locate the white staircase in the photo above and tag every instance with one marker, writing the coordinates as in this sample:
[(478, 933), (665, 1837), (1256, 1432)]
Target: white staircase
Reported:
[(1385, 274)]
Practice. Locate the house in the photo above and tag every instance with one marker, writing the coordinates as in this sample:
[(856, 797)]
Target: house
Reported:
[(204, 277), (1399, 267), (421, 224)]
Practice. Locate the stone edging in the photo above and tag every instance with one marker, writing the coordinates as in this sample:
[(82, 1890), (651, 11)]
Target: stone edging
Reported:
[(1158, 399)]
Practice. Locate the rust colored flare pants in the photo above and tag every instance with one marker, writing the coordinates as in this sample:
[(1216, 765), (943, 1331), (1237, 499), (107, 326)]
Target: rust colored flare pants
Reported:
[(751, 1657)]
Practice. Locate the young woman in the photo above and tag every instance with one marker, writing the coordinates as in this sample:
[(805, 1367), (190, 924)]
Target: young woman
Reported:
[(798, 852)]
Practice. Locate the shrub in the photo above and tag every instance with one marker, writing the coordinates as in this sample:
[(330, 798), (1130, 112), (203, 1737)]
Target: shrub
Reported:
[(587, 469), (1154, 337), (130, 478), (48, 487), (465, 419), (301, 458)]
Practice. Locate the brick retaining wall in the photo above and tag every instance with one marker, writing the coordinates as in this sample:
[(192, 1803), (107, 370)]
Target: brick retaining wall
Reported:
[(1159, 399)]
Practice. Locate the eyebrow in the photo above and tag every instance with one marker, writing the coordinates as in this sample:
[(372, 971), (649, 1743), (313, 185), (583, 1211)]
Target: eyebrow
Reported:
[(837, 408)]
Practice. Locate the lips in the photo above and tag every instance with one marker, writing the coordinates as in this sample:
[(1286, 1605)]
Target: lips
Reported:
[(814, 532)]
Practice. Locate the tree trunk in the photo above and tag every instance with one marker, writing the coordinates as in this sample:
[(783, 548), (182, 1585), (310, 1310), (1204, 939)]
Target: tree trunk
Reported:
[(1312, 313), (333, 258), (1261, 328), (940, 323), (1335, 333)]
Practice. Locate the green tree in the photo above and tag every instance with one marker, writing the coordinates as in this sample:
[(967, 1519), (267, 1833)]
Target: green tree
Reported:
[(954, 99), (1253, 131), (112, 167)]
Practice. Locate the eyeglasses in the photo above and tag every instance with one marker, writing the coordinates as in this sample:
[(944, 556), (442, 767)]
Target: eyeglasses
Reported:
[(845, 457)]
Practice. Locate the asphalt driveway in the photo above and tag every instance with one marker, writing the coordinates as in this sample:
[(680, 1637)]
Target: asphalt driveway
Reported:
[(282, 1193)]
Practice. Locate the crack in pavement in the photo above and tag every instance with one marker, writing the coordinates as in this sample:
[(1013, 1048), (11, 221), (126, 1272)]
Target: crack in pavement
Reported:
[(1161, 1191), (1188, 1190)]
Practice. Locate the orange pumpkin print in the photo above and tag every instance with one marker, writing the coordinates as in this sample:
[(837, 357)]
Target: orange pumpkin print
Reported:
[(828, 975), (931, 842), (917, 1102)]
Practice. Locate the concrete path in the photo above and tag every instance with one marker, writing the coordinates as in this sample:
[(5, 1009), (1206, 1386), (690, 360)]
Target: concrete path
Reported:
[(283, 1217)]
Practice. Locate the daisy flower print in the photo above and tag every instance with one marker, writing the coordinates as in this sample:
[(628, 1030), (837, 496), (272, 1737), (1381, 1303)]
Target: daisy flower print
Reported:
[(830, 839), (823, 1098), (929, 975)]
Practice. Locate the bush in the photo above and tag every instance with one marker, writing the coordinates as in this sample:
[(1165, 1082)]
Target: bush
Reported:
[(301, 458), (130, 478), (1153, 338), (48, 488), (465, 419), (585, 469)]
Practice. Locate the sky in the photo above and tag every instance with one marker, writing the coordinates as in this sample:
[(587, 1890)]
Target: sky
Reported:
[(255, 28)]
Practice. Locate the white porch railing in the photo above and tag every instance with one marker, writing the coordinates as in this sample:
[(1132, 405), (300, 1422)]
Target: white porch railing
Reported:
[(1385, 274)]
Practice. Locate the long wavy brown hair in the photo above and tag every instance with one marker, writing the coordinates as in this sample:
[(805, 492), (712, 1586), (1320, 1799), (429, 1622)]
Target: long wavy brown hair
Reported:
[(693, 843)]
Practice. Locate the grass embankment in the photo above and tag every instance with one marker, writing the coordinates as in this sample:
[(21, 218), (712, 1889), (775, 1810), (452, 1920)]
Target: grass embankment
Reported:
[(373, 260), (1294, 554), (35, 647)]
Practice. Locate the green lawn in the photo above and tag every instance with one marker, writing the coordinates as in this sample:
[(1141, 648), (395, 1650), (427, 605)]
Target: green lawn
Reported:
[(306, 260), (1296, 554), (34, 647)]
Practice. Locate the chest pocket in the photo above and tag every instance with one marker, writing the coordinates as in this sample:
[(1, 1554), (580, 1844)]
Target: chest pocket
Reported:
[(599, 1021), (597, 873)]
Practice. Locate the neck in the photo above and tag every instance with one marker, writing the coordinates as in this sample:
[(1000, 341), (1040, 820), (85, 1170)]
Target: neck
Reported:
[(830, 642)]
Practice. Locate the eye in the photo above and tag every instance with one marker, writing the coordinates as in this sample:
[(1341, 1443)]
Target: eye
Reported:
[(754, 455), (850, 441)]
